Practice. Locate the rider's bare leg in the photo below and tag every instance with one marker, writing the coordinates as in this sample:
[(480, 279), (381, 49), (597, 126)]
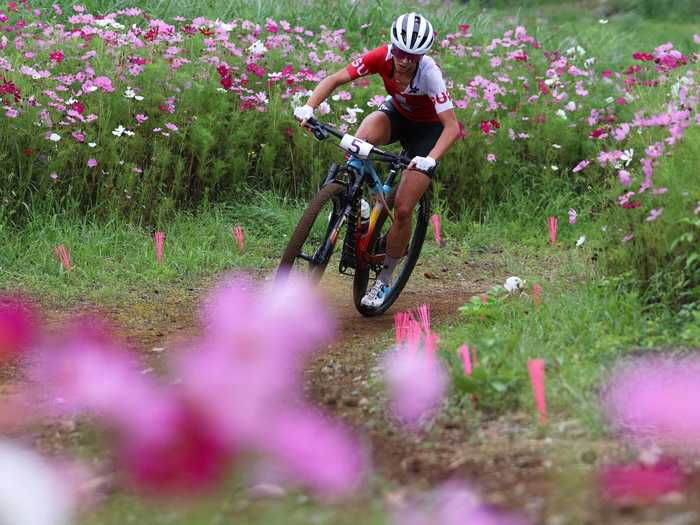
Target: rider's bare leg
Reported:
[(375, 129), (412, 186)]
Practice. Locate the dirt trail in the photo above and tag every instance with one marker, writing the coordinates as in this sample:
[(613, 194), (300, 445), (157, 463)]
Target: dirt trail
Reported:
[(514, 463)]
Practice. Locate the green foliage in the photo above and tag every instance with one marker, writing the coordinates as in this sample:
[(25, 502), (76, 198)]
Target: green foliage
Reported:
[(579, 330)]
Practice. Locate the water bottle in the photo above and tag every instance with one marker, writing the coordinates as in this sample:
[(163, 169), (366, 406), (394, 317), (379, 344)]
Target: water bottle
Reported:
[(365, 210)]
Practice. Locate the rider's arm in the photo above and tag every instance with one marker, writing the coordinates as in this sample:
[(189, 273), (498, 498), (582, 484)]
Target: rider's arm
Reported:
[(324, 88), (449, 135)]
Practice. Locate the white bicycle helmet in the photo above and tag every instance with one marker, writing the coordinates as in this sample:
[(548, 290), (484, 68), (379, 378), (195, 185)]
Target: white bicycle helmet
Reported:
[(412, 33)]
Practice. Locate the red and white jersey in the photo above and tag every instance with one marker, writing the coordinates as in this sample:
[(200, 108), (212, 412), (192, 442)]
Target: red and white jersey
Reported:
[(424, 97)]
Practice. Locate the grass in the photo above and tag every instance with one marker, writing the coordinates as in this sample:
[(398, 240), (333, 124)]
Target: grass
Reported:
[(114, 257)]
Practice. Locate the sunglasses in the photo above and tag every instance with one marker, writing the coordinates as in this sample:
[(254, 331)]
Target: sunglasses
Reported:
[(399, 54)]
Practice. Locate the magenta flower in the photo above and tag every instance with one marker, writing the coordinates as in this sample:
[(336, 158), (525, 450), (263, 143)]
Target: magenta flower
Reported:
[(17, 326), (187, 457), (91, 163), (642, 484), (11, 113)]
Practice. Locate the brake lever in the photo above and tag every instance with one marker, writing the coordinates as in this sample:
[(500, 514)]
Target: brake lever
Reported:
[(320, 133)]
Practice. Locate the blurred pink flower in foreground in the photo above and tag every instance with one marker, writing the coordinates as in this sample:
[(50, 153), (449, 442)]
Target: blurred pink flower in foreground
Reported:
[(654, 400), (641, 484), (416, 384), (17, 327), (238, 389), (454, 503)]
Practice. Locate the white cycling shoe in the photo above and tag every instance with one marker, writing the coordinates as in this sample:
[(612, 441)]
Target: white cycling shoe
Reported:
[(376, 295)]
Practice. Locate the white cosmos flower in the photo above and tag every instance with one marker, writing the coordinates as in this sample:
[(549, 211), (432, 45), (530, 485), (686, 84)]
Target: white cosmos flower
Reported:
[(581, 240), (54, 137), (92, 144), (627, 156), (31, 492), (561, 113), (128, 133), (119, 131), (257, 48), (130, 93), (603, 21)]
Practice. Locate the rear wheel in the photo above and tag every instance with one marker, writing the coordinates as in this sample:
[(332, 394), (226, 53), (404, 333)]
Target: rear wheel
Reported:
[(364, 278), (304, 251)]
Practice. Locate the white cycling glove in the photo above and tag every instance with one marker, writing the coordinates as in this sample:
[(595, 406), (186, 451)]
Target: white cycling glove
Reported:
[(423, 163), (304, 113)]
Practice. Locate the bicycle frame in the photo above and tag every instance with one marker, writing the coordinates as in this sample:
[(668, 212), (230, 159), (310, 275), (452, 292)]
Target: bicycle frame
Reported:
[(363, 171)]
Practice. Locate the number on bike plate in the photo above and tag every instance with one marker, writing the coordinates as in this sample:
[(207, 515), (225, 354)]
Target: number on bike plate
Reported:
[(357, 147)]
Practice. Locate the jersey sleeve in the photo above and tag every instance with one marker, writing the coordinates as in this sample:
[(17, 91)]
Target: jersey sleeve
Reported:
[(437, 90), (367, 64)]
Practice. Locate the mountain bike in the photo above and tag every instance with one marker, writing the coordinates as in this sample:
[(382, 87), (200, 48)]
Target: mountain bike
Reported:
[(353, 198)]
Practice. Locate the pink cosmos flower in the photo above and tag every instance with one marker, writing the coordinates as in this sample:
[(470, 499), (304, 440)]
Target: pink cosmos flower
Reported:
[(654, 400), (91, 163), (696, 39), (654, 214), (171, 126), (11, 113), (624, 177), (581, 166), (491, 157), (321, 454), (103, 83), (416, 384), (572, 216), (453, 503)]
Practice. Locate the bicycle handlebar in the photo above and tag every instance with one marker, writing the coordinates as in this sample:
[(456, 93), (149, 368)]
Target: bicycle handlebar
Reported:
[(321, 132)]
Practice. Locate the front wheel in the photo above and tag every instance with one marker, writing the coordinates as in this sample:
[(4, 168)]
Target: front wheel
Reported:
[(377, 245), (310, 239)]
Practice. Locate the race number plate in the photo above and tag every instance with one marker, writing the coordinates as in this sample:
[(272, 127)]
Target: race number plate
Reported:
[(357, 147)]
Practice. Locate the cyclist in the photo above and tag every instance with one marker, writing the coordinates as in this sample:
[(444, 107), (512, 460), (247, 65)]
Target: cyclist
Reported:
[(418, 113)]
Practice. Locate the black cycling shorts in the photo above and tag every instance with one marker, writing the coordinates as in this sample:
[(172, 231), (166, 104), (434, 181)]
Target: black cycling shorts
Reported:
[(416, 138)]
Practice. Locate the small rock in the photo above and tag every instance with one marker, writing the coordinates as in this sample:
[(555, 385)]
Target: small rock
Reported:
[(429, 275), (589, 457), (413, 465), (330, 399), (350, 401), (364, 402), (267, 490)]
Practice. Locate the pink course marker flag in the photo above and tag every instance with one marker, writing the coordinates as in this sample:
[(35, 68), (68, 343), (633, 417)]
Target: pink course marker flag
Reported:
[(535, 368), (466, 359), (159, 239), (63, 255), (239, 235), (537, 294), (552, 221), (437, 229)]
